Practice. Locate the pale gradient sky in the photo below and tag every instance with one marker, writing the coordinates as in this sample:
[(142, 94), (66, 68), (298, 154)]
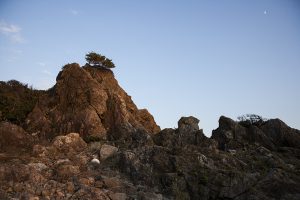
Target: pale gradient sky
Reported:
[(175, 58)]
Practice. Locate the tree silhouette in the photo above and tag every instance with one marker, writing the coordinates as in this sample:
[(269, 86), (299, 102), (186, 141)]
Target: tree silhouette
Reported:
[(99, 60), (251, 119)]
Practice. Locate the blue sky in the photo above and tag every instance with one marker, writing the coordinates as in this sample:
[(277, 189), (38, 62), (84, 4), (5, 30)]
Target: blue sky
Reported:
[(175, 58)]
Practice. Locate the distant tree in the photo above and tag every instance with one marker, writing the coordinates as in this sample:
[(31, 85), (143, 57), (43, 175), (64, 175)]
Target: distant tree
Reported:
[(251, 119), (99, 60)]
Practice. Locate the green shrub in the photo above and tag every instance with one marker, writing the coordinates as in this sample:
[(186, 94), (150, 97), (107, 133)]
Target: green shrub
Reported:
[(17, 100), (251, 119)]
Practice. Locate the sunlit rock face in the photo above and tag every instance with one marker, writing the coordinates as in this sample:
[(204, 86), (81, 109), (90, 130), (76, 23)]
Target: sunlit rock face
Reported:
[(88, 101)]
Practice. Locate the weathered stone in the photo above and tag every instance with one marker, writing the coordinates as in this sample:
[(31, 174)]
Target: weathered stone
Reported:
[(87, 181), (281, 134), (271, 134), (89, 101), (112, 182), (70, 142), (67, 171), (107, 151), (38, 166), (188, 124)]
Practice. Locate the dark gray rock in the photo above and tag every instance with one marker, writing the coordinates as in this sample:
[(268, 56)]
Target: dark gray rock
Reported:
[(271, 134), (188, 124)]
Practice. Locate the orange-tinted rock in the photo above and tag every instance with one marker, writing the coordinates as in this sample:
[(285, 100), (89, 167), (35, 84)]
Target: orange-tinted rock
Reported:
[(70, 142), (88, 101)]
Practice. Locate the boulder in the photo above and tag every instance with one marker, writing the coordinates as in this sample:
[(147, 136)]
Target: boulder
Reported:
[(70, 142), (13, 136), (281, 134), (167, 138), (107, 151), (188, 124), (67, 170), (230, 134), (188, 133), (38, 166)]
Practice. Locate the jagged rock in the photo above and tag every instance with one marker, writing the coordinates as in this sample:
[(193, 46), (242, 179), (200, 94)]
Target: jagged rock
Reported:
[(281, 134), (271, 134), (257, 135), (240, 161), (167, 138), (40, 125), (89, 101), (229, 134), (188, 124), (188, 133), (147, 120), (107, 151)]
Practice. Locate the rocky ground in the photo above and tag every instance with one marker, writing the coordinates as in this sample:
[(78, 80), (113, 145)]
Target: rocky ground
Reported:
[(87, 140)]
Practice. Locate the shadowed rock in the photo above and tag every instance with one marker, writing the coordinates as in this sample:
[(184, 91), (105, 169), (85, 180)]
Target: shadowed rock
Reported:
[(272, 134), (13, 137)]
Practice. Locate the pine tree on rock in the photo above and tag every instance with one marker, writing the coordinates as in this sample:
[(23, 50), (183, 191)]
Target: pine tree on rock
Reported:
[(98, 60)]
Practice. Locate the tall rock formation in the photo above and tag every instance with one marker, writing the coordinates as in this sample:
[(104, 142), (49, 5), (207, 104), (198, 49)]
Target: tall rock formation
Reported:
[(89, 101)]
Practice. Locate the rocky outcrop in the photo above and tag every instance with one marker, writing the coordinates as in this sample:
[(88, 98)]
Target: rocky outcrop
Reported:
[(188, 133), (281, 134), (107, 151), (86, 139), (70, 142), (178, 164), (185, 167), (89, 101), (272, 134), (188, 124)]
